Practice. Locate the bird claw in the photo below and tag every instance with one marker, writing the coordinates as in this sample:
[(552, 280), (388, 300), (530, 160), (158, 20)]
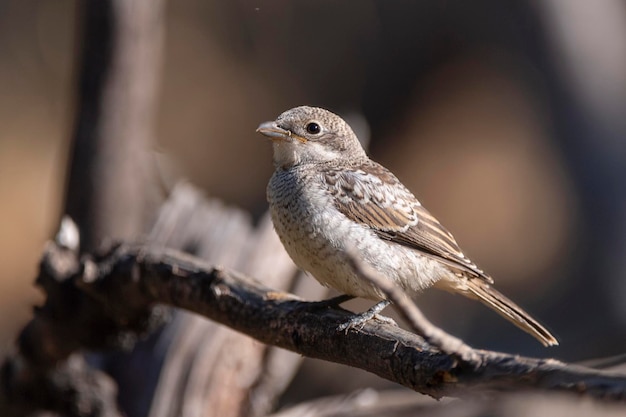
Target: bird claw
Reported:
[(358, 321), (385, 319)]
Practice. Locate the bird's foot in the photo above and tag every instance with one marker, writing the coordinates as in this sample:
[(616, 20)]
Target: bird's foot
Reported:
[(359, 320)]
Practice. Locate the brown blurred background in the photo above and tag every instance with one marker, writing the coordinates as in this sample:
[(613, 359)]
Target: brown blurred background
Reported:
[(506, 120)]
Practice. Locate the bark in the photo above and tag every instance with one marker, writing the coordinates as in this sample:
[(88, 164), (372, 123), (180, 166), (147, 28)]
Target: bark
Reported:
[(134, 278)]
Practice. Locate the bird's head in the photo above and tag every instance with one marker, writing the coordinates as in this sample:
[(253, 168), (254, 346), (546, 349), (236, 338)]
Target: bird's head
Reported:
[(311, 135)]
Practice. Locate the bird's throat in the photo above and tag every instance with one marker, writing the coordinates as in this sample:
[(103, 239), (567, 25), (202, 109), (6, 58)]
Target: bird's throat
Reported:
[(285, 155)]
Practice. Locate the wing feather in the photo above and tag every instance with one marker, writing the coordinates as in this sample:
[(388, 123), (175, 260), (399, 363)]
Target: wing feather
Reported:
[(373, 196)]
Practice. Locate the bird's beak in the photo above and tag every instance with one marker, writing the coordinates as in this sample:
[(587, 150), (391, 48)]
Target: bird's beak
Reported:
[(276, 133)]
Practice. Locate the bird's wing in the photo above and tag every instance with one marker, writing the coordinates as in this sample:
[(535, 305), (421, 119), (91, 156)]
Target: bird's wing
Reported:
[(373, 196)]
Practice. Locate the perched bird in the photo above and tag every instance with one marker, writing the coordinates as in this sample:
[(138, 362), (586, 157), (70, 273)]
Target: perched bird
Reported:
[(327, 197)]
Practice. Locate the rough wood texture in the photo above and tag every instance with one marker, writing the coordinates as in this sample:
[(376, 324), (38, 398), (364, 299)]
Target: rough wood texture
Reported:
[(133, 278), (208, 366), (189, 367)]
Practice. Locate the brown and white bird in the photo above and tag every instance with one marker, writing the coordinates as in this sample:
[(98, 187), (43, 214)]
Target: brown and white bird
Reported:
[(326, 196)]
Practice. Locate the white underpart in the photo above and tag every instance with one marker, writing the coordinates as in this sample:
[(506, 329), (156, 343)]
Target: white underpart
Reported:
[(318, 245), (285, 154), (290, 152)]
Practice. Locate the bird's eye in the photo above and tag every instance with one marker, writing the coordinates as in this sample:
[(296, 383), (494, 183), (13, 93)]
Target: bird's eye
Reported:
[(313, 128)]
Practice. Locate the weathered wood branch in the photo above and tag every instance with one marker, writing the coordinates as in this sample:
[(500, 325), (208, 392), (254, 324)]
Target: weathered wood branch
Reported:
[(197, 373), (129, 280)]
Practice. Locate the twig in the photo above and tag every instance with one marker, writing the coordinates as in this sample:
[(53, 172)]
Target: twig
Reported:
[(413, 315)]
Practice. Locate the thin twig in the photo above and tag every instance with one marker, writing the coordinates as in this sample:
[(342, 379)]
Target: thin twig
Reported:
[(413, 315)]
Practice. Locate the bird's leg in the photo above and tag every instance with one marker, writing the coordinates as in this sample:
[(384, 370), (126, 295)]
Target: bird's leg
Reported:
[(361, 319)]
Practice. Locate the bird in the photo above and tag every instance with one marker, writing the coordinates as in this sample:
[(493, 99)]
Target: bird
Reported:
[(328, 198)]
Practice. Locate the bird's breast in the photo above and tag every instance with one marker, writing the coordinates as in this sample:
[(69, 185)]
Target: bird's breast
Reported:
[(314, 233), (317, 236), (301, 213)]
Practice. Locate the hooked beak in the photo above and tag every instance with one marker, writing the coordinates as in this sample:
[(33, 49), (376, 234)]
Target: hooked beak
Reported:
[(276, 133)]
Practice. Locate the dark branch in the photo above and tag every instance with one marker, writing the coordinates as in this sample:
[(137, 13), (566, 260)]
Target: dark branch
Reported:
[(131, 279)]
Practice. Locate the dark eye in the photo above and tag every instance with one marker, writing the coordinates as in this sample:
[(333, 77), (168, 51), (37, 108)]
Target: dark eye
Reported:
[(313, 128)]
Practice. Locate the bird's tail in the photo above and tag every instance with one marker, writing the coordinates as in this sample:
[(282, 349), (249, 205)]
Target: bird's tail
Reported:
[(482, 291)]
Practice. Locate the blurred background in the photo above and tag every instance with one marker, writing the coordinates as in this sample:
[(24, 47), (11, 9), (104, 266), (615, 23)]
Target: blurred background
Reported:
[(507, 120)]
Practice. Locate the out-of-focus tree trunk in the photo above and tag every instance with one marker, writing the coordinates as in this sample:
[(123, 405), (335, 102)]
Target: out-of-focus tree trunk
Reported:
[(119, 70)]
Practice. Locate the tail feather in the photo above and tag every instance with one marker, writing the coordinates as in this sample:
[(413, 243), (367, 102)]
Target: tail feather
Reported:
[(489, 296)]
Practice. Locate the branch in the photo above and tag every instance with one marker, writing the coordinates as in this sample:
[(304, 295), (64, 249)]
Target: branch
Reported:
[(197, 372), (128, 280)]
